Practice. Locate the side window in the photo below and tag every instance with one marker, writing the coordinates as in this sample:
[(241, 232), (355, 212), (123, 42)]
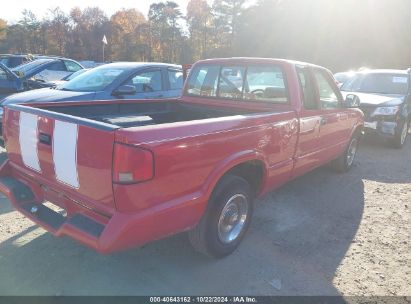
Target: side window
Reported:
[(307, 87), (231, 82), (57, 66), (72, 66), (265, 84), (203, 81), (175, 78), (145, 82), (328, 97)]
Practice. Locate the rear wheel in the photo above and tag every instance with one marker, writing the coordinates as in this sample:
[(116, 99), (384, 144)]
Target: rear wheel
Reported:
[(226, 220), (346, 160), (401, 136)]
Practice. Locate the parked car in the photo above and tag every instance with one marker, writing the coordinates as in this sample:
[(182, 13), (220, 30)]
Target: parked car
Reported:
[(385, 101), (34, 74), (47, 69), (62, 81), (9, 82), (11, 61), (130, 172), (123, 80)]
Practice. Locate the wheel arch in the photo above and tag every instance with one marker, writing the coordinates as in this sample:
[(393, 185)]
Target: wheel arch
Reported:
[(249, 165)]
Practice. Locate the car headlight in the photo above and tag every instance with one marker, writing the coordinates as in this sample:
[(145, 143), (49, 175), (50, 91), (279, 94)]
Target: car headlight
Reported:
[(386, 111)]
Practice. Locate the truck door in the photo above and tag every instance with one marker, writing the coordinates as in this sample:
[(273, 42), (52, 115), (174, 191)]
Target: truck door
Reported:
[(309, 124), (334, 131)]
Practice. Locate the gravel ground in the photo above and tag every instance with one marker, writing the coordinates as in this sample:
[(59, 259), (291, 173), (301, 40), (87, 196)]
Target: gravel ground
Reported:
[(322, 234)]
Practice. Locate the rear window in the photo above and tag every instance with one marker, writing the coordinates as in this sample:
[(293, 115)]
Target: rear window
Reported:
[(246, 83)]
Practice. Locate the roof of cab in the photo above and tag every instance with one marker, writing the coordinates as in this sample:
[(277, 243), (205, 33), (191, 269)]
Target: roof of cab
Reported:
[(242, 60)]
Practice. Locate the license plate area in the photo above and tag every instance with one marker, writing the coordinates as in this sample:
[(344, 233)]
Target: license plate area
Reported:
[(56, 208), (371, 125)]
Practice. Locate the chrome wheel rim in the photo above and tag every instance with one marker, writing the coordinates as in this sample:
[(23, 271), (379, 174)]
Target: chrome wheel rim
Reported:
[(404, 133), (352, 150), (232, 218)]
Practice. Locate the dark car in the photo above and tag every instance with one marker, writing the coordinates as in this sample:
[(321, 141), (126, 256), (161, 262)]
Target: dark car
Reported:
[(47, 69), (9, 82), (34, 74), (385, 97), (11, 61)]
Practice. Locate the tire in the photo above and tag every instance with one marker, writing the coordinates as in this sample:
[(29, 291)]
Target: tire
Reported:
[(401, 135), (344, 163), (213, 236)]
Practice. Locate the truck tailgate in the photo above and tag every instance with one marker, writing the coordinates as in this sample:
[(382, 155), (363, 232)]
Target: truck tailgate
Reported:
[(62, 153)]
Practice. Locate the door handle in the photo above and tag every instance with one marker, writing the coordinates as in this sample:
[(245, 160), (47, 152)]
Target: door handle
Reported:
[(323, 121)]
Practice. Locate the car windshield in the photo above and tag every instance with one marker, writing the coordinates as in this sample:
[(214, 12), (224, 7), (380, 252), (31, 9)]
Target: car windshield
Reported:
[(93, 80), (75, 74), (27, 67), (378, 83)]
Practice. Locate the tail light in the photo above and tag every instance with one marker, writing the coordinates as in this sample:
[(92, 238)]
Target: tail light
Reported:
[(132, 165)]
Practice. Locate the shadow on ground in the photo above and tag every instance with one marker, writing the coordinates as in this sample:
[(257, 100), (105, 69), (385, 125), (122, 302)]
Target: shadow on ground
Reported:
[(298, 237)]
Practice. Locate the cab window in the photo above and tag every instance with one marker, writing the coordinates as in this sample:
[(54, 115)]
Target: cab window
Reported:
[(308, 89), (265, 83), (231, 82), (244, 83), (328, 95), (203, 81)]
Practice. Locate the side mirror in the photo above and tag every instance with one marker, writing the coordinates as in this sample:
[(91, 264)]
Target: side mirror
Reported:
[(352, 101), (125, 90)]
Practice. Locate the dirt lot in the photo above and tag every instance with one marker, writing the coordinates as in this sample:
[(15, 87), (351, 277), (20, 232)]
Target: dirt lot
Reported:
[(323, 234)]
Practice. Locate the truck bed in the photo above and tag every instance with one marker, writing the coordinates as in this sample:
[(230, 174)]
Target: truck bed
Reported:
[(129, 114)]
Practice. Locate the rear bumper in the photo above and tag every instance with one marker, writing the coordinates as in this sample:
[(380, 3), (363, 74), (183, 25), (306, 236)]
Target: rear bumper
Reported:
[(103, 233)]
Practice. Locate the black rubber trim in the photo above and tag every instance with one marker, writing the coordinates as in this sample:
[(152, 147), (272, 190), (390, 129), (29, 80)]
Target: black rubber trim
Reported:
[(20, 191), (86, 224), (64, 117)]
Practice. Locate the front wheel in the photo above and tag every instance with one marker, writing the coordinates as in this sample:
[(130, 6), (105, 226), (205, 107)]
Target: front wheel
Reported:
[(346, 160), (401, 136), (226, 220)]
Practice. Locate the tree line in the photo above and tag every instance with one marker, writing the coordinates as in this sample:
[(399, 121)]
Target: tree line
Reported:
[(337, 34)]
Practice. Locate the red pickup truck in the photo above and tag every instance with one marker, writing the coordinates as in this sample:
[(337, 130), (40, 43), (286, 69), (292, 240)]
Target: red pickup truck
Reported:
[(124, 173)]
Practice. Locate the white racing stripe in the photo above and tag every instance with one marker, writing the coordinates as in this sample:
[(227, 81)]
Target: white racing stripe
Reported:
[(65, 153), (28, 141)]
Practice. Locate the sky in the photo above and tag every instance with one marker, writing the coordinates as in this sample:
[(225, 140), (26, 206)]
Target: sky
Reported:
[(12, 13)]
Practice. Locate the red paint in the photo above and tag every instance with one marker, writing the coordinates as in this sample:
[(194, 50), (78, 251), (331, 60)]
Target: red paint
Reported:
[(189, 159)]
